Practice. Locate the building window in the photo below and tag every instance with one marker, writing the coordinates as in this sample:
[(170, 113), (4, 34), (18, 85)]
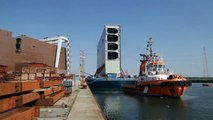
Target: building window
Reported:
[(18, 45), (112, 30), (112, 46), (112, 55), (112, 38)]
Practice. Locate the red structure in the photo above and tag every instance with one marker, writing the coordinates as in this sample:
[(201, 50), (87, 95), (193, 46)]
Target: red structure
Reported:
[(24, 49)]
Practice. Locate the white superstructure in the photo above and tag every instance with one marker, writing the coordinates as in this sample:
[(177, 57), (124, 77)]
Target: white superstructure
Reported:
[(59, 40), (109, 52)]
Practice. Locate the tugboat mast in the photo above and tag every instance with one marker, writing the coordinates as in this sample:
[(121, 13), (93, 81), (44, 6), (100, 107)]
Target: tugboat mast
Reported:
[(149, 47)]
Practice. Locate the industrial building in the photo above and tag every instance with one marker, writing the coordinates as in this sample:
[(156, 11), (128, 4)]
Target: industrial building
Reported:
[(23, 49)]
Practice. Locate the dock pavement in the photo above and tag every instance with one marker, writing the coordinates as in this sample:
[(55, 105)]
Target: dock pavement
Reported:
[(80, 105)]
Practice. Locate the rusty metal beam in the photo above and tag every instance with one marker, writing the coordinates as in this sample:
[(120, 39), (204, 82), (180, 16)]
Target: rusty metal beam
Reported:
[(24, 113), (44, 84), (55, 97), (26, 98), (8, 88), (57, 88), (48, 92), (50, 100), (44, 92), (37, 111), (28, 86), (8, 103), (13, 87)]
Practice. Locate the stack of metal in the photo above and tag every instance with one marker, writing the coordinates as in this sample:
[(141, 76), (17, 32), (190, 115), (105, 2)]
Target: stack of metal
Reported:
[(38, 71), (68, 86)]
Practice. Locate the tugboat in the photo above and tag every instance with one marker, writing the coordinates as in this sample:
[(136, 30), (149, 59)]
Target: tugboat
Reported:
[(155, 79)]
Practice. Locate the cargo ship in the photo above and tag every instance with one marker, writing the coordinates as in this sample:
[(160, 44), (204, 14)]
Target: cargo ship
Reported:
[(155, 79), (109, 73)]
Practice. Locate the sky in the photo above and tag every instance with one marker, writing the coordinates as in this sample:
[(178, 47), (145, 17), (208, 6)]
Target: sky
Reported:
[(179, 28)]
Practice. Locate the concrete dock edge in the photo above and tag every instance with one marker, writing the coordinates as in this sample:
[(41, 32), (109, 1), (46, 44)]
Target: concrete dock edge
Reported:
[(85, 107)]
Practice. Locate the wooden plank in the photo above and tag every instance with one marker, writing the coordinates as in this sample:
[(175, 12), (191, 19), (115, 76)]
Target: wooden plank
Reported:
[(32, 76), (44, 84), (45, 92), (57, 88), (8, 88), (24, 113), (39, 75), (54, 75), (50, 83), (8, 103), (26, 98), (57, 96), (57, 82), (46, 75), (50, 100), (29, 85), (24, 76), (48, 92), (37, 111), (13, 87)]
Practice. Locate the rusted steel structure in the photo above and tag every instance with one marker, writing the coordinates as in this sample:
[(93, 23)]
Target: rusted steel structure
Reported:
[(50, 92), (8, 103), (29, 97), (28, 78), (24, 49), (50, 99), (7, 88), (16, 95), (45, 84), (24, 113)]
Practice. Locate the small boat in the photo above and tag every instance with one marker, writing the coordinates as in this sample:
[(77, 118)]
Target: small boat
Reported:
[(207, 84), (155, 79)]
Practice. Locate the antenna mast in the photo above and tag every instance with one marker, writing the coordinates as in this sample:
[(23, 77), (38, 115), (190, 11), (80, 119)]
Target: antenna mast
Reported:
[(205, 65), (149, 47), (82, 63)]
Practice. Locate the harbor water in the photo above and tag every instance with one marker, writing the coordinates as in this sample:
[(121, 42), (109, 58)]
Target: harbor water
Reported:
[(195, 104)]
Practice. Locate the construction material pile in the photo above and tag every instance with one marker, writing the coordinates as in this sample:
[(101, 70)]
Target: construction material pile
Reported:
[(3, 72), (34, 85), (38, 71)]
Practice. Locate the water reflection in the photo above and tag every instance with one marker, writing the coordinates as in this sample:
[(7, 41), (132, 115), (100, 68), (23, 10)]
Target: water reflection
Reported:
[(120, 106), (159, 108), (196, 104)]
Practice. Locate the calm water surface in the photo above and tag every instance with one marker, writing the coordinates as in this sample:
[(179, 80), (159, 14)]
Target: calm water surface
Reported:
[(195, 104)]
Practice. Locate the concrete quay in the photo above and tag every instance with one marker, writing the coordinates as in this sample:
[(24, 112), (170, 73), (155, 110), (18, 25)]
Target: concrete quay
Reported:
[(80, 105), (85, 107)]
